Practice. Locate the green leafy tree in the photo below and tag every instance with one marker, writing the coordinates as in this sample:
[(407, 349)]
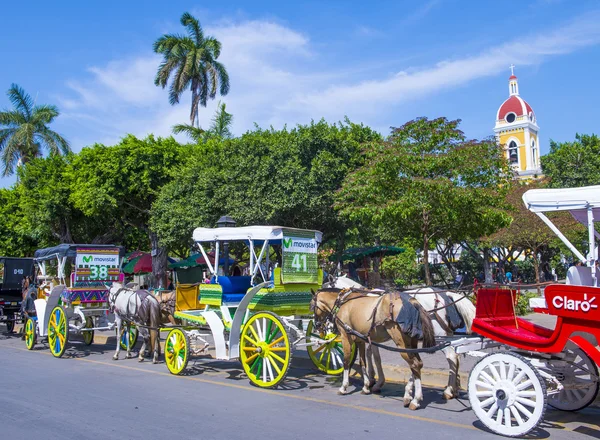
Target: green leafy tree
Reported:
[(527, 234), (191, 61), (16, 238), (25, 133), (428, 182), (121, 183), (269, 177), (573, 164)]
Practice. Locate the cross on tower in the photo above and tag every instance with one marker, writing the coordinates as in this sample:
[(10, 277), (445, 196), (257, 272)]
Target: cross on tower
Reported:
[(512, 69)]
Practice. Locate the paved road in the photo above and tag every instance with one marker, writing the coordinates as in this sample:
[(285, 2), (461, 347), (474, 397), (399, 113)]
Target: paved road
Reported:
[(86, 395)]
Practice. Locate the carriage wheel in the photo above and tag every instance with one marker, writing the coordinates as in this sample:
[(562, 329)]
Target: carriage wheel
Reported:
[(579, 376), (58, 331), (133, 336), (507, 394), (30, 333), (88, 336), (177, 350), (329, 357), (265, 350), (10, 325)]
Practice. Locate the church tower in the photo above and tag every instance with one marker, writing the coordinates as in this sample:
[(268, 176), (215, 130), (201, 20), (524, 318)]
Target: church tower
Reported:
[(517, 132)]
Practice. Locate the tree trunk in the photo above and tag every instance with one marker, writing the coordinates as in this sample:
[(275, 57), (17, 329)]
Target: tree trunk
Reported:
[(487, 268), (536, 268), (426, 260), (159, 262)]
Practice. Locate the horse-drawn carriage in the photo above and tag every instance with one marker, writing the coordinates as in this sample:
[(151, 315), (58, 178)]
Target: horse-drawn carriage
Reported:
[(13, 272), (71, 295), (509, 389), (256, 317)]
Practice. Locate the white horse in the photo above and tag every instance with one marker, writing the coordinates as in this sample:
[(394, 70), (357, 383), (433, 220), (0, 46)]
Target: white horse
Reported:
[(343, 282), (433, 302), (141, 308)]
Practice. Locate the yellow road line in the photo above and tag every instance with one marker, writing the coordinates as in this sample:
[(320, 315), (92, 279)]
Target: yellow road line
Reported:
[(266, 391)]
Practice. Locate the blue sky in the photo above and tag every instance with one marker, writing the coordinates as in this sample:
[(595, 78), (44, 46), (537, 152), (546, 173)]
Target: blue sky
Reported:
[(381, 63)]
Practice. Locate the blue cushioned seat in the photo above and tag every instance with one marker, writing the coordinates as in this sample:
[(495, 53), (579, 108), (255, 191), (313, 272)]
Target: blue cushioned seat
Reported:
[(234, 288)]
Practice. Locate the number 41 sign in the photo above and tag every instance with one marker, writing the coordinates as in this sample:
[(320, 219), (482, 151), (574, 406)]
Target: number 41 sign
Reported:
[(300, 263)]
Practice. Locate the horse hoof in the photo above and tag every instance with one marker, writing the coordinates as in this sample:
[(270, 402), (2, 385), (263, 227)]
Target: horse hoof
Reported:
[(413, 406), (376, 390), (128, 356), (141, 360), (115, 358), (342, 392), (448, 396), (365, 391), (407, 402)]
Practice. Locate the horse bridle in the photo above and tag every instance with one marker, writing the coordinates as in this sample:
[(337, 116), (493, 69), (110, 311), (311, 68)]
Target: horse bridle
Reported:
[(330, 315), (112, 297)]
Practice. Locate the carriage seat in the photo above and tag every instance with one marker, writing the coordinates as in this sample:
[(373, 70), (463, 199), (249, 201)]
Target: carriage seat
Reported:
[(234, 288)]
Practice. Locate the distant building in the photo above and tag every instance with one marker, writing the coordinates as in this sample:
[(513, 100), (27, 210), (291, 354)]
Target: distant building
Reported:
[(517, 131)]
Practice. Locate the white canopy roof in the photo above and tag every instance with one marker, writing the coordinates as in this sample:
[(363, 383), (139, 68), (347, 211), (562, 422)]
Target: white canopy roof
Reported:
[(576, 200), (261, 233)]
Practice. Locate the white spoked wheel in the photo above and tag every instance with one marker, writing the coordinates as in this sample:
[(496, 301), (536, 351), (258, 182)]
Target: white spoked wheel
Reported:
[(507, 394), (579, 376)]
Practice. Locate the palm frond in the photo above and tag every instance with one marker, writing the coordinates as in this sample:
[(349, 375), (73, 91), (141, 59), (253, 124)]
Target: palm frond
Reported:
[(195, 133), (53, 141), (214, 46), (12, 118), (223, 78), (193, 26), (20, 100), (44, 114), (5, 135)]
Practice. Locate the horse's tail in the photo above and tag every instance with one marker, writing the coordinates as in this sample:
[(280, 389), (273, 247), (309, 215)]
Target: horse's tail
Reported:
[(465, 308), (426, 324), (155, 322)]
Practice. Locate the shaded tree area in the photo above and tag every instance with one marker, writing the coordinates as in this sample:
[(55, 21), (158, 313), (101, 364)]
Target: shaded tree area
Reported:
[(271, 177), (428, 182)]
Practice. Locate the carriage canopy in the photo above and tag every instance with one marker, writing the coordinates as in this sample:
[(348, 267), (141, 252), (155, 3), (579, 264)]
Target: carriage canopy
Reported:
[(298, 250), (583, 204)]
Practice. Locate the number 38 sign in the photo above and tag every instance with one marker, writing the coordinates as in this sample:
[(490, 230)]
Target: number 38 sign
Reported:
[(300, 263)]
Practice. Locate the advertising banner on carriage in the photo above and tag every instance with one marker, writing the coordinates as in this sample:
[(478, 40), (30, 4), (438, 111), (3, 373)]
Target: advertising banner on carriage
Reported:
[(300, 264), (97, 264)]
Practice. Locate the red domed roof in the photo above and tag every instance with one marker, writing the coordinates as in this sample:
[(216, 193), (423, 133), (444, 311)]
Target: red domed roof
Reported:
[(512, 77), (515, 104)]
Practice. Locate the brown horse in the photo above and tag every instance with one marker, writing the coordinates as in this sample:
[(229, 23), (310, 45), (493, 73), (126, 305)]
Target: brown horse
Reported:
[(376, 316)]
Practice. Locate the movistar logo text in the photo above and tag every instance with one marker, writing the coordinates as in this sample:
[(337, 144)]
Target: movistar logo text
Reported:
[(88, 259), (287, 242)]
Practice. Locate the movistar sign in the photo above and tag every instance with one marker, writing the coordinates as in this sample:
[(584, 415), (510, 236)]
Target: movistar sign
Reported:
[(97, 259), (304, 245)]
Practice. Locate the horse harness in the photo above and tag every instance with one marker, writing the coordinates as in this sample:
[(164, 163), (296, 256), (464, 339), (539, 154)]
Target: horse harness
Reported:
[(142, 294)]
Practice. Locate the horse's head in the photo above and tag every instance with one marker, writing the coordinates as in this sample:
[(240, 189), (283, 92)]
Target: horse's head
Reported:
[(113, 292), (322, 304)]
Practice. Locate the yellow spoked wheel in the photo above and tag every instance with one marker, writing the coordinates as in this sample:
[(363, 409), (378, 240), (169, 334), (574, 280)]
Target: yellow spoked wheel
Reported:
[(329, 357), (88, 336), (177, 349), (133, 336), (58, 331), (30, 333), (265, 350)]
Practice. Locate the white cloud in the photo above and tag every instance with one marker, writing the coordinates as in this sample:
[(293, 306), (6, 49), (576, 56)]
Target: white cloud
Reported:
[(273, 81)]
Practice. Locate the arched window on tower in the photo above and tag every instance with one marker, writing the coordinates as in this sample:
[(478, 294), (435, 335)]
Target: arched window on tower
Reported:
[(513, 152), (534, 153)]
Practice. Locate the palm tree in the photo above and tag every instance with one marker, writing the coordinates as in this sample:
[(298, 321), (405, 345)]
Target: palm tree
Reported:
[(220, 127), (192, 60), (26, 133), (221, 123)]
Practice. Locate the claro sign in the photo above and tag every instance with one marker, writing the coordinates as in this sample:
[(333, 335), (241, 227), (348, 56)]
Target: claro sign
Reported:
[(573, 301), (564, 302)]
